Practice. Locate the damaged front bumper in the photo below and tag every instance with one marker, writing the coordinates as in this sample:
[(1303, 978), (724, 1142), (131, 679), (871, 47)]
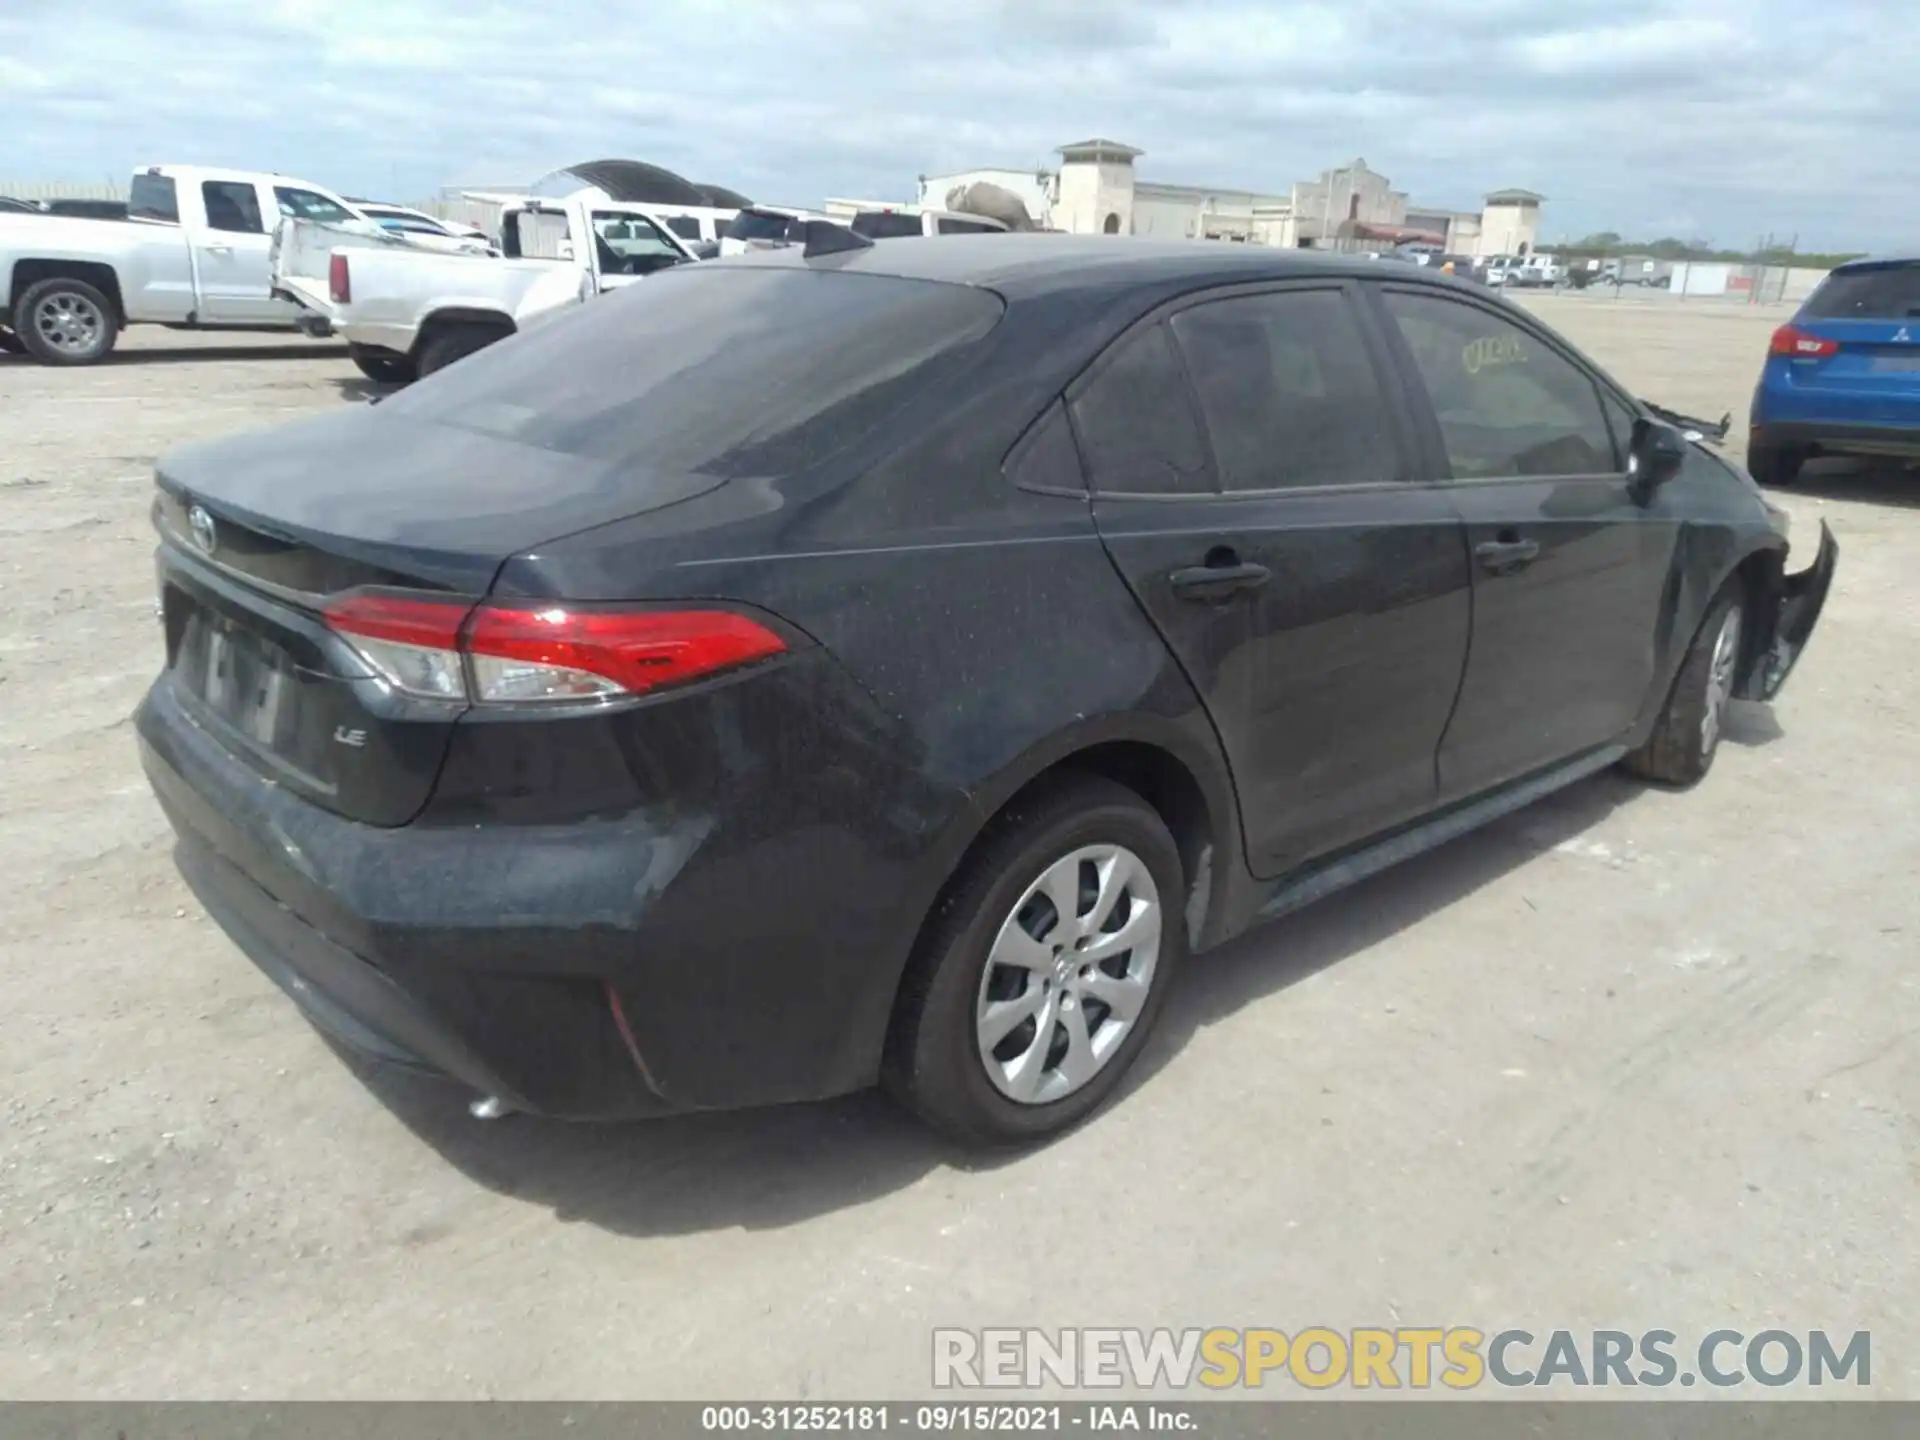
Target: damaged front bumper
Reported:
[(1797, 603)]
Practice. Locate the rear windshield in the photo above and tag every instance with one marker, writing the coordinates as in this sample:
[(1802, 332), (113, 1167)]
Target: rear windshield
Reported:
[(152, 197), (715, 370), (1867, 292), (885, 224), (757, 225)]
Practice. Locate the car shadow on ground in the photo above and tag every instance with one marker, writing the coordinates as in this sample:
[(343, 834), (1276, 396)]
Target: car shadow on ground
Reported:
[(200, 354), (359, 387), (1869, 482), (765, 1169)]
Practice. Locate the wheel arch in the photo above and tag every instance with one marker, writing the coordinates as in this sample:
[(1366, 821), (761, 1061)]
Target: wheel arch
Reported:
[(449, 316), (97, 273), (1185, 783)]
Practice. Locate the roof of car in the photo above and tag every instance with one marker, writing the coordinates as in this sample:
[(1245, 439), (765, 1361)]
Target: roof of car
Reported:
[(1032, 263), (1896, 257)]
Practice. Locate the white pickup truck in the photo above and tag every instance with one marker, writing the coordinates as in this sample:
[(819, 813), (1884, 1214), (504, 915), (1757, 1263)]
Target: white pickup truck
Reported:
[(405, 312), (191, 254)]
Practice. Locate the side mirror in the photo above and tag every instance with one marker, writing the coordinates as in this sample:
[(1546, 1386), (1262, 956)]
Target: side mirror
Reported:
[(1657, 454)]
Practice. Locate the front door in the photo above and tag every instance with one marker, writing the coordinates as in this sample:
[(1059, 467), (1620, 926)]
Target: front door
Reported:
[(1252, 482), (1569, 563)]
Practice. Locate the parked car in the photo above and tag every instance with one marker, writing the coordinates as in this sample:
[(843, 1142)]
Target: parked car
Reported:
[(91, 209), (11, 206), (889, 664), (759, 227), (428, 230), (406, 311), (1843, 376), (911, 220), (192, 254)]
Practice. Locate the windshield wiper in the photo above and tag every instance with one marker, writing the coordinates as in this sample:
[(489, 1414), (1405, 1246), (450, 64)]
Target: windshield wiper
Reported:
[(1711, 432)]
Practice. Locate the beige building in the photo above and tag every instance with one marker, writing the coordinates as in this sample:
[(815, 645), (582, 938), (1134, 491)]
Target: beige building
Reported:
[(1095, 191)]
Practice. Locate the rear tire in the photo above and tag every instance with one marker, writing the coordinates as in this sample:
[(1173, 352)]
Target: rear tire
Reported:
[(383, 366), (455, 342), (1774, 467), (1012, 1023), (1687, 735), (63, 321)]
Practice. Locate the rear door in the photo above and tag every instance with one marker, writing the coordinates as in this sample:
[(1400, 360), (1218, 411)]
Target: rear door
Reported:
[(1252, 481), (234, 256), (1870, 315), (1569, 564)]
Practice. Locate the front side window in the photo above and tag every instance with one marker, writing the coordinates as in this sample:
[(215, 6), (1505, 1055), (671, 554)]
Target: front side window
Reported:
[(232, 205), (1508, 404), (309, 205), (1136, 426), (1288, 392)]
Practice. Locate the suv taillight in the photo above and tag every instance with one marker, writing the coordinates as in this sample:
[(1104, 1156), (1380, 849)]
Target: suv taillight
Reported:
[(1799, 345), (339, 279), (522, 655)]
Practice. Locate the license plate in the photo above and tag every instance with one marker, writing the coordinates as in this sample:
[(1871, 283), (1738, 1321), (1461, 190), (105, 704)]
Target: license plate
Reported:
[(242, 677), (1896, 364)]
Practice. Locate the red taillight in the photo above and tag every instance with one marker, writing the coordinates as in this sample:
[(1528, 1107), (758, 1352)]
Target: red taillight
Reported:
[(339, 279), (1799, 345), (514, 655)]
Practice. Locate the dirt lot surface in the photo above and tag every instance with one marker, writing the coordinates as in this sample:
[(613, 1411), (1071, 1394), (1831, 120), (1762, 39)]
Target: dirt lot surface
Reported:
[(1629, 1059)]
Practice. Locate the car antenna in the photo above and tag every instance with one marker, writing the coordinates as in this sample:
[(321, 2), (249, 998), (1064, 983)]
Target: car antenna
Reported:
[(823, 237)]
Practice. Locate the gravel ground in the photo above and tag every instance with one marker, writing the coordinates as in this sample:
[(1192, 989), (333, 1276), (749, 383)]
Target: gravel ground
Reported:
[(1627, 1059)]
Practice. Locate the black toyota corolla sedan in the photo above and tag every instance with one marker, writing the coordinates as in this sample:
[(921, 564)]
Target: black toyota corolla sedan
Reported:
[(888, 662)]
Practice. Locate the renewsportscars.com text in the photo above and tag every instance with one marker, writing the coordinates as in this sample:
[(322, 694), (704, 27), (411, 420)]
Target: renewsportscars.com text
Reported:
[(1401, 1357)]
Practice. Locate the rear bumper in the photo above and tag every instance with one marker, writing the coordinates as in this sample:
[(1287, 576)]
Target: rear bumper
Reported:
[(1817, 437), (670, 958)]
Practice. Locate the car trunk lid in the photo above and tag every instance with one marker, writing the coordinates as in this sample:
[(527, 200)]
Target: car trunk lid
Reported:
[(1863, 325), (256, 537)]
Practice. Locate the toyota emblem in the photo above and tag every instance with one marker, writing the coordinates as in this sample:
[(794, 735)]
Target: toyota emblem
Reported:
[(204, 533)]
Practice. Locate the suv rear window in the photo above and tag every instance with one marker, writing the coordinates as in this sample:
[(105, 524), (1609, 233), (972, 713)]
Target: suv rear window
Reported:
[(885, 224), (758, 225), (1867, 292), (152, 197), (714, 370)]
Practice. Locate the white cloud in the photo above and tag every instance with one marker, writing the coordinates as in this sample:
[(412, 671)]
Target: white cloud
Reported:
[(1751, 115)]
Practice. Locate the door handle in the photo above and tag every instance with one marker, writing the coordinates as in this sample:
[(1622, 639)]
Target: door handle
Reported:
[(219, 249), (1223, 576), (1507, 555)]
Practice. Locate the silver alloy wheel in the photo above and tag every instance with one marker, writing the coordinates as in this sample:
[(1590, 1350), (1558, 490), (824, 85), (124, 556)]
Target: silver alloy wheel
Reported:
[(1726, 655), (68, 322), (1068, 974)]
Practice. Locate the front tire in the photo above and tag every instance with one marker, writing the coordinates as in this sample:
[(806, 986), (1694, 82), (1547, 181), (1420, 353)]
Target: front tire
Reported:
[(383, 367), (62, 321), (1687, 735), (1041, 973)]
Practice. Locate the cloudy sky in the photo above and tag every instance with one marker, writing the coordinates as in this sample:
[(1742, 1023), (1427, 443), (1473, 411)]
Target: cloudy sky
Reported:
[(1724, 119)]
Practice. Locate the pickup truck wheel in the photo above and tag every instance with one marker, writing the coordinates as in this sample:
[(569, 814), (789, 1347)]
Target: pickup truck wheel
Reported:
[(1681, 749), (383, 366), (456, 342), (10, 344), (66, 322)]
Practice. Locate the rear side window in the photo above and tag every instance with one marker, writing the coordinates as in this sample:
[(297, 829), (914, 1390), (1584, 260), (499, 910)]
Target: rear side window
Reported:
[(714, 370), (886, 225), (232, 205), (152, 197), (1137, 429), (1289, 395), (1867, 292)]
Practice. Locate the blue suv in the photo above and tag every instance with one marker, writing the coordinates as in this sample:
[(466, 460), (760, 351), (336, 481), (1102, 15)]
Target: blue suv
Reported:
[(1843, 376)]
